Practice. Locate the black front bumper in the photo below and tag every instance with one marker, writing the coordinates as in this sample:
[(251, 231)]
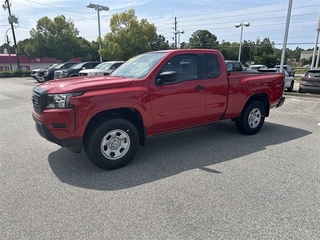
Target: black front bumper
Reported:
[(74, 144)]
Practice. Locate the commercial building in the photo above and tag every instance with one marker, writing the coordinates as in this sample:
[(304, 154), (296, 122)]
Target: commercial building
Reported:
[(10, 62)]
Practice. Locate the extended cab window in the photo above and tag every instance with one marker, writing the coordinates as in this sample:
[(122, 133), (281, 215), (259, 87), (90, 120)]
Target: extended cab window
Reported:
[(184, 65), (213, 66)]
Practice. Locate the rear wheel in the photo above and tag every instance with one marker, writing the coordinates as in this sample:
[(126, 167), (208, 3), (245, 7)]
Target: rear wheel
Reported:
[(289, 89), (113, 144), (252, 118)]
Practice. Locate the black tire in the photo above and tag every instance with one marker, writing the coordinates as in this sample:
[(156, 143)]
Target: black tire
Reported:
[(289, 89), (113, 144), (252, 118)]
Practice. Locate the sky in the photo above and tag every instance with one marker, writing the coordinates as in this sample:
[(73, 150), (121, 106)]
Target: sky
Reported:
[(267, 18)]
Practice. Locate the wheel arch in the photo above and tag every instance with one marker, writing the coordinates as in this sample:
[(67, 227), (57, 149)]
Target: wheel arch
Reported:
[(129, 114), (261, 97)]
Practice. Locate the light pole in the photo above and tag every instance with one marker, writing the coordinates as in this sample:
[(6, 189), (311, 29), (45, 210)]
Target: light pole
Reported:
[(246, 24), (98, 8), (179, 32), (316, 44)]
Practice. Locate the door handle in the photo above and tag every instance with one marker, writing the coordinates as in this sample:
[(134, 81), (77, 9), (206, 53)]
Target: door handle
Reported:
[(198, 87)]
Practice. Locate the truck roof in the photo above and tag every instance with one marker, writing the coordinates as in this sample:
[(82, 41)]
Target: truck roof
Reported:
[(190, 50)]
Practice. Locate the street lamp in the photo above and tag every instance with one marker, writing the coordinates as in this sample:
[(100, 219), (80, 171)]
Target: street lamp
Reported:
[(246, 24), (98, 8), (179, 32)]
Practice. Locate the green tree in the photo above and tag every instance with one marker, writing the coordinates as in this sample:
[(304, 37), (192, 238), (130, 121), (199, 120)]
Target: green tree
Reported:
[(88, 50), (304, 61), (159, 43), (7, 46), (128, 37), (264, 53), (229, 50), (55, 38), (247, 49), (203, 39), (184, 45)]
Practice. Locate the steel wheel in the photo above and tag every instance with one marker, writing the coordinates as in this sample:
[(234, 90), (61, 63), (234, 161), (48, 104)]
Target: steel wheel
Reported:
[(254, 118), (112, 144), (115, 144)]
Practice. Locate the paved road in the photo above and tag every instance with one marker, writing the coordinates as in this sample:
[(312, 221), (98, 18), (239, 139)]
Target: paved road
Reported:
[(205, 183)]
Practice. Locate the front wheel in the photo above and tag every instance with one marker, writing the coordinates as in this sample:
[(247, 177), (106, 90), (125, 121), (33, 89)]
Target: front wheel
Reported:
[(113, 144), (252, 118)]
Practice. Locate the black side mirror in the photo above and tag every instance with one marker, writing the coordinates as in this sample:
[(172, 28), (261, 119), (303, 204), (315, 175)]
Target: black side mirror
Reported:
[(169, 76)]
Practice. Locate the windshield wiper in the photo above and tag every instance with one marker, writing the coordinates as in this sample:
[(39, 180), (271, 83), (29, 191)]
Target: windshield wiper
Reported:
[(118, 76)]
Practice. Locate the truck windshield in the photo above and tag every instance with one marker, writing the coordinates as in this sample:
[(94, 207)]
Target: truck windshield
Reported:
[(138, 66)]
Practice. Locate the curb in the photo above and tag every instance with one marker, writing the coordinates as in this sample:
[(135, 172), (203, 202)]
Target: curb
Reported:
[(297, 94)]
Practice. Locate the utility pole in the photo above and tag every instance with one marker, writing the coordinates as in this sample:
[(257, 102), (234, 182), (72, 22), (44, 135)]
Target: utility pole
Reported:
[(12, 19), (175, 32), (8, 42)]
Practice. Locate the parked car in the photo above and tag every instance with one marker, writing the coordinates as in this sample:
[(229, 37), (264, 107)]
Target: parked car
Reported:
[(34, 72), (288, 68), (257, 67), (74, 70), (102, 69), (310, 83), (234, 66), (47, 74), (288, 80)]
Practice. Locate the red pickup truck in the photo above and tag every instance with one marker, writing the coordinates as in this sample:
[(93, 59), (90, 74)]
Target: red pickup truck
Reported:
[(152, 93)]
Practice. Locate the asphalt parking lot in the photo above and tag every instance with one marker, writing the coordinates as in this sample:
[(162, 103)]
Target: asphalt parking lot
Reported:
[(209, 182)]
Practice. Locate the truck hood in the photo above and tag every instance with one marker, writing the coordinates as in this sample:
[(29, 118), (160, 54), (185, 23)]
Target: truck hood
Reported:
[(78, 84)]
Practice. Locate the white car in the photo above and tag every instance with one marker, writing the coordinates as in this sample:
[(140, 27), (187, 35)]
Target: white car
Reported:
[(102, 69), (257, 67), (34, 72), (288, 80)]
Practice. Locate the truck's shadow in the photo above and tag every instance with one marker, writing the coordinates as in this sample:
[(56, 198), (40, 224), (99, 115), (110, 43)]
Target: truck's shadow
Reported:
[(170, 154)]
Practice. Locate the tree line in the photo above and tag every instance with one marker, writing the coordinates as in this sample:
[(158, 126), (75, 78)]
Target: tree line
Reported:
[(59, 39)]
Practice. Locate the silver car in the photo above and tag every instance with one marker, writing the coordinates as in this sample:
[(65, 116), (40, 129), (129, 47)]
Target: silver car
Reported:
[(102, 69)]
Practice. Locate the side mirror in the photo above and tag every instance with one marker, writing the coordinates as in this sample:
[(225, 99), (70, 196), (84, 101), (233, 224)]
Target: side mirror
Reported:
[(169, 76)]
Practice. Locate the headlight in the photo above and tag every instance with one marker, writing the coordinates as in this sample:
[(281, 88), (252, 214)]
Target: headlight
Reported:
[(64, 74), (46, 73), (60, 100)]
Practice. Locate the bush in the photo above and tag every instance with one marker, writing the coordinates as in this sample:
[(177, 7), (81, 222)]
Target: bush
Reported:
[(15, 73)]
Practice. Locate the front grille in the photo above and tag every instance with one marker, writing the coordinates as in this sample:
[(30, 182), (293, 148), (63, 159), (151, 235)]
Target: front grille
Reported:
[(36, 102), (40, 74), (57, 75), (83, 74), (39, 99)]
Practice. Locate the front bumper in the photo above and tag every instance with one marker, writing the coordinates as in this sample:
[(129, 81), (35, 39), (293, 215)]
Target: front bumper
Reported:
[(74, 144)]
